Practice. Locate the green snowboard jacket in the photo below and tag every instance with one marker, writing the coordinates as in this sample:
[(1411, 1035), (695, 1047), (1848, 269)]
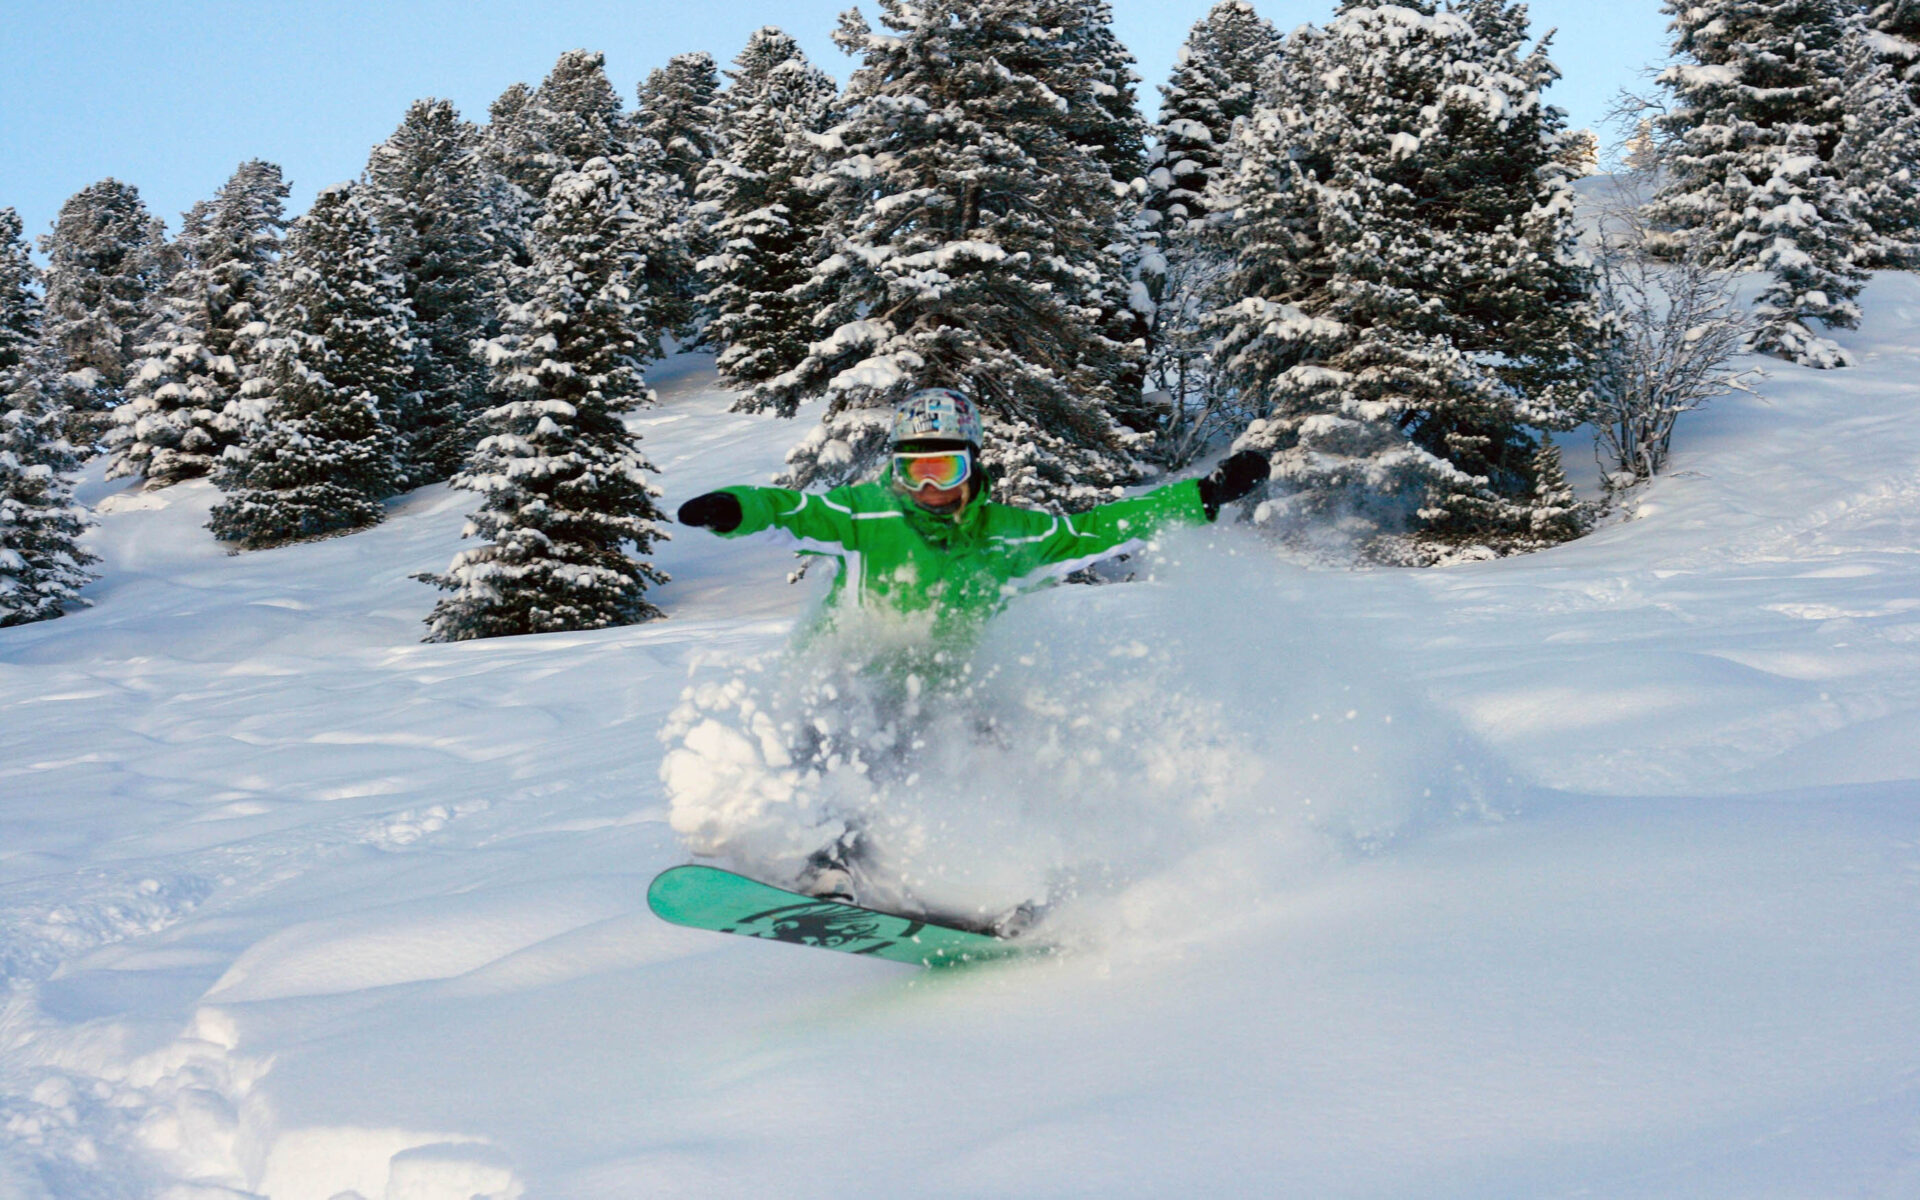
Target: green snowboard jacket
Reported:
[(963, 568)]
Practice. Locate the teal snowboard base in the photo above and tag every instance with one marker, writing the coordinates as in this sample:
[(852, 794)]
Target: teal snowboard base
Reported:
[(710, 898)]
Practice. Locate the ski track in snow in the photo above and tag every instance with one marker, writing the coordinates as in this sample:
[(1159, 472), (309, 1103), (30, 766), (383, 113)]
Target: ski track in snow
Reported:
[(292, 905)]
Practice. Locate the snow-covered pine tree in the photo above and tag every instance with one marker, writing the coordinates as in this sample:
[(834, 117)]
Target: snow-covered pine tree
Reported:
[(21, 306), (1297, 336), (1879, 156), (317, 454), (563, 480), (1411, 300), (507, 138), (1214, 85), (1755, 129), (678, 133), (666, 282), (679, 111), (1519, 288), (434, 193), (242, 241), (42, 565), (508, 148), (105, 264), (1111, 126), (1804, 227), (1557, 515), (169, 428), (573, 117), (181, 410), (766, 224), (1215, 82), (974, 245), (538, 133), (1895, 29)]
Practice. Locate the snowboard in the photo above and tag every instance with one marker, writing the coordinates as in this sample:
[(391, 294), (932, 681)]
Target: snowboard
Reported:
[(709, 898)]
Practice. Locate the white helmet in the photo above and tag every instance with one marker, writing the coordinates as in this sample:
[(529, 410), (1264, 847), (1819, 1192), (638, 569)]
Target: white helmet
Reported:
[(936, 413)]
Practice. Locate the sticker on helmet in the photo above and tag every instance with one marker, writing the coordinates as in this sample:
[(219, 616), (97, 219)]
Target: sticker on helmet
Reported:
[(936, 413)]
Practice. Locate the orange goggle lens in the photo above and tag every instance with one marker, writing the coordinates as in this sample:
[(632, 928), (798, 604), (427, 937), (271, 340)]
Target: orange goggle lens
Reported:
[(941, 469)]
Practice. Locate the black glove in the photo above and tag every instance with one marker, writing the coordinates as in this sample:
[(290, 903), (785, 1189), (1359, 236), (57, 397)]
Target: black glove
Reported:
[(1232, 479), (718, 511)]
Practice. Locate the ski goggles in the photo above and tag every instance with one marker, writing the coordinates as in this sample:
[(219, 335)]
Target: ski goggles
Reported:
[(941, 470)]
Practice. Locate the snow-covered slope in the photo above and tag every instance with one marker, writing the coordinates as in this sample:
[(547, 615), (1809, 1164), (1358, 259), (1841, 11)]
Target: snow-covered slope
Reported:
[(1595, 872)]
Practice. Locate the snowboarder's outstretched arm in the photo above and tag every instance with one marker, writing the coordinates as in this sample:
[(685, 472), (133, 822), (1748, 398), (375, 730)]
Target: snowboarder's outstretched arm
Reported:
[(1110, 528), (741, 511), (1118, 526)]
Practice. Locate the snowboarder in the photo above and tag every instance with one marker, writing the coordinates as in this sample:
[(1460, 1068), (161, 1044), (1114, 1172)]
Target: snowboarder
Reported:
[(924, 540)]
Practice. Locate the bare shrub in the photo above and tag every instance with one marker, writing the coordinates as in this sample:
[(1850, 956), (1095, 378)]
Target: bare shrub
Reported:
[(1673, 327)]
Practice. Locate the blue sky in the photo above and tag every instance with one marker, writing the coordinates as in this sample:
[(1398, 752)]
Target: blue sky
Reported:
[(170, 96)]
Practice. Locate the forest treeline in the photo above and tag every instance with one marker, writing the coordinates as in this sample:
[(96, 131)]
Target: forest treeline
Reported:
[(1354, 247)]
